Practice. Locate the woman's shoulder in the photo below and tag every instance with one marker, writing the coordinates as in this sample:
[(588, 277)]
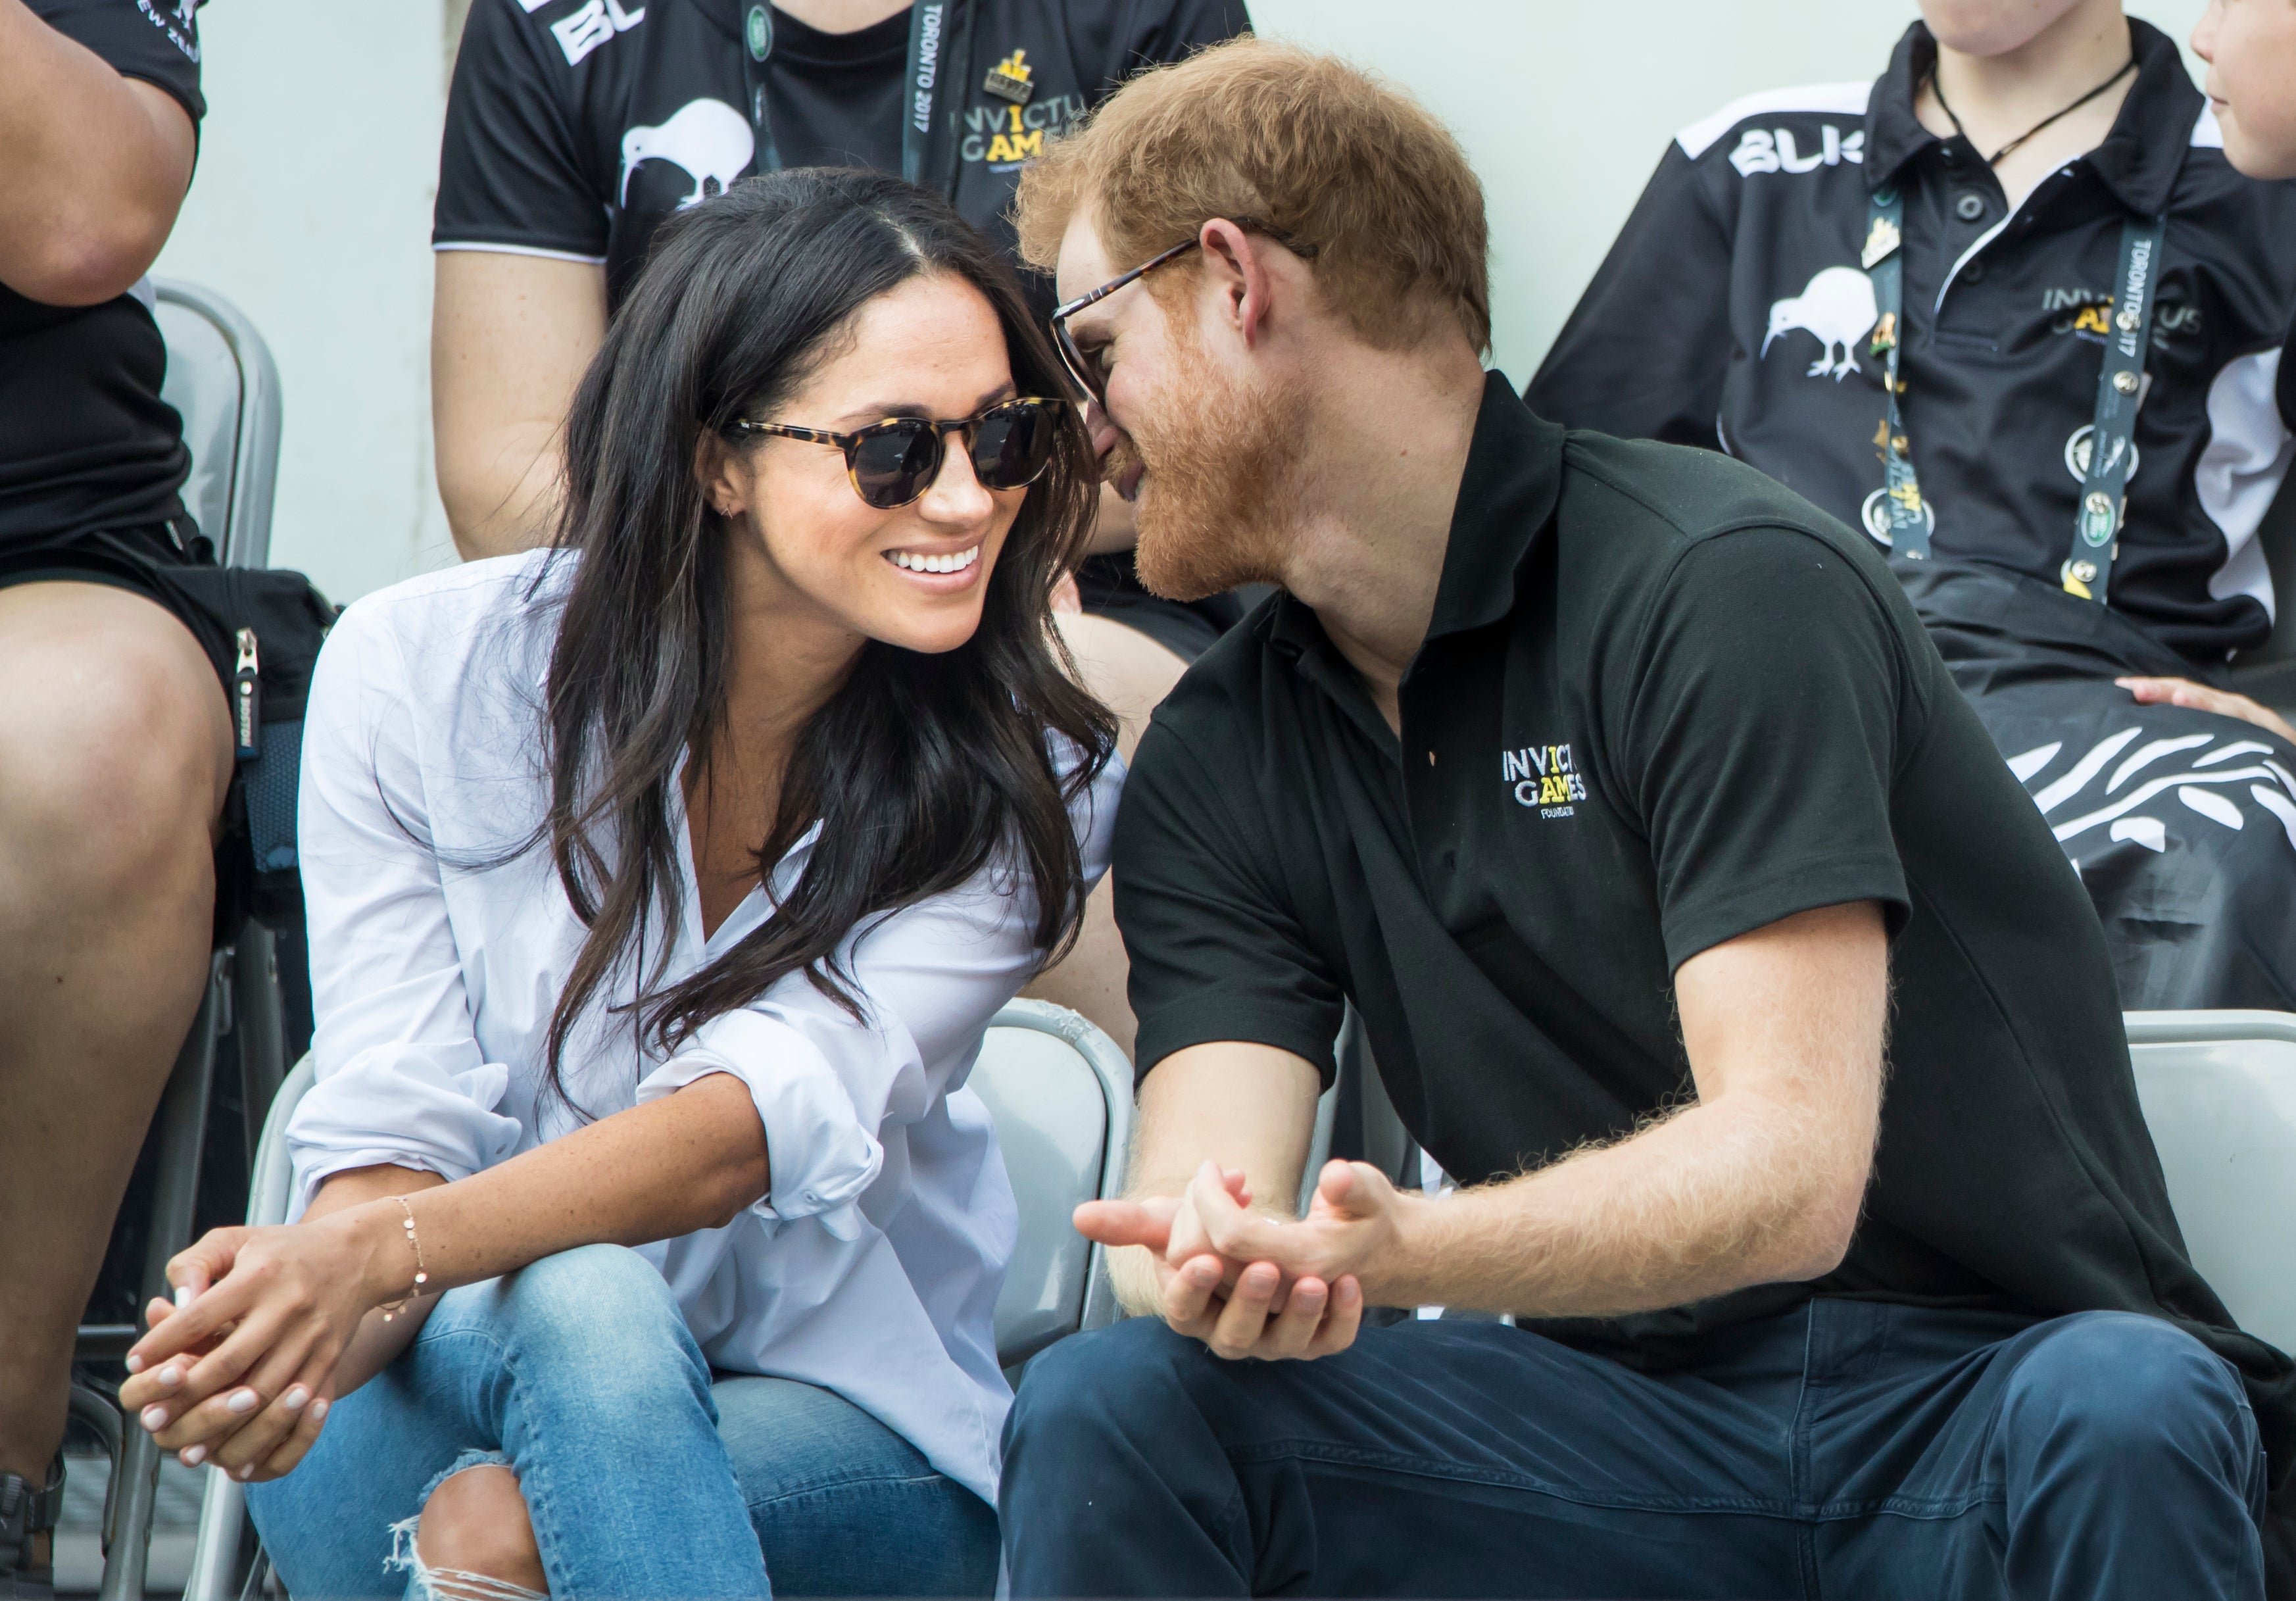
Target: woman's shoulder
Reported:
[(437, 623)]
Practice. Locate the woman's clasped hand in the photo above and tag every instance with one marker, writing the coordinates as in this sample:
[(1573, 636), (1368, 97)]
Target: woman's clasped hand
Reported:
[(240, 1372)]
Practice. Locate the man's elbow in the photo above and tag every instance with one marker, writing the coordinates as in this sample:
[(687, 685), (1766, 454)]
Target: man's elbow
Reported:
[(1817, 1236)]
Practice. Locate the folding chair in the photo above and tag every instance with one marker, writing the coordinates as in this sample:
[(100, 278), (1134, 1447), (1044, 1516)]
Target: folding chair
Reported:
[(221, 379), (2218, 1090)]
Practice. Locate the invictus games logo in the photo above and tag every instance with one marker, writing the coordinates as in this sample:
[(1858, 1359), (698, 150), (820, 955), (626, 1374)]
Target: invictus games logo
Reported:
[(1543, 776)]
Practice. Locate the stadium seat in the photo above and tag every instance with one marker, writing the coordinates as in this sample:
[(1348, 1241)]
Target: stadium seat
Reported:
[(2218, 1090), (221, 381)]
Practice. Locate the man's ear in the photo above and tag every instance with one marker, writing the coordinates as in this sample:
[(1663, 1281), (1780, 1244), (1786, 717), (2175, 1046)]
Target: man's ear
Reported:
[(1236, 270), (718, 468)]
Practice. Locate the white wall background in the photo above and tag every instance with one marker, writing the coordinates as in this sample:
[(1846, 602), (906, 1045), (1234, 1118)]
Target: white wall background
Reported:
[(311, 208)]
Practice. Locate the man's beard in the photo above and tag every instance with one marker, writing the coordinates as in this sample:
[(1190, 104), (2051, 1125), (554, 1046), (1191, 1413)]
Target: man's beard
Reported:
[(1220, 459)]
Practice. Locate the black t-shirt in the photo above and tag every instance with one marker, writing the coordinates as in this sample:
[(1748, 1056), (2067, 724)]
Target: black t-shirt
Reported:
[(574, 127), (85, 442), (1733, 313), (1661, 702)]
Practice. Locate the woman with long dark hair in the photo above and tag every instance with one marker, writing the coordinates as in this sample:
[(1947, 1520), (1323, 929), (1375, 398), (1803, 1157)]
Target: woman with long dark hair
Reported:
[(663, 884)]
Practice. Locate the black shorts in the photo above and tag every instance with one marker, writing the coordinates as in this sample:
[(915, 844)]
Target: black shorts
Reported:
[(146, 561)]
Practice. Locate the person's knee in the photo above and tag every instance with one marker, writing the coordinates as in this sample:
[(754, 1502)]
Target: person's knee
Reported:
[(118, 762), (2121, 1388), (602, 1310), (1120, 1383), (476, 1523)]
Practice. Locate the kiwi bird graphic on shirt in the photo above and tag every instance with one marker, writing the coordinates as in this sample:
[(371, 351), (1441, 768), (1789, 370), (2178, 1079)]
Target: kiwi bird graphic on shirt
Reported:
[(1837, 307), (708, 138)]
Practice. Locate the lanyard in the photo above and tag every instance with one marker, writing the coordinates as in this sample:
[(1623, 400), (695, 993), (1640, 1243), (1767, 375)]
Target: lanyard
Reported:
[(929, 24), (2120, 386)]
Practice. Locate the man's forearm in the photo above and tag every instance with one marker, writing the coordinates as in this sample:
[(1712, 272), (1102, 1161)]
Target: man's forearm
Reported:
[(1713, 1199)]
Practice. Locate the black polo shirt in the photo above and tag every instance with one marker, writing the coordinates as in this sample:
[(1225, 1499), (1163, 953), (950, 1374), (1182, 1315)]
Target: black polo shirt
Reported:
[(1662, 701), (1733, 313)]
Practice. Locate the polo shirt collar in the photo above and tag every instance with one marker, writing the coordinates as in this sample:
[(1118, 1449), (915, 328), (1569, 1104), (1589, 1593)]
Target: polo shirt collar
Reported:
[(1507, 495), (2138, 160)]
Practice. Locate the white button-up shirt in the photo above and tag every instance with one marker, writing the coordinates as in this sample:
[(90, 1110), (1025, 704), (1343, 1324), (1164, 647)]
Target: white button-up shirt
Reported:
[(872, 1268)]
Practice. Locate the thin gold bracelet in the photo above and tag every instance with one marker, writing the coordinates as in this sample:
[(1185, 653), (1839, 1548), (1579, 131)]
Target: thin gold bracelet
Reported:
[(391, 1309)]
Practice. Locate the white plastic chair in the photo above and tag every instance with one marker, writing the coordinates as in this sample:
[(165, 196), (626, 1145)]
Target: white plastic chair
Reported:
[(2218, 1090), (1060, 1092)]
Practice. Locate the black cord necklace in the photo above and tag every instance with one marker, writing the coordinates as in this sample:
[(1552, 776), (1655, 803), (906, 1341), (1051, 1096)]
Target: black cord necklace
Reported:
[(1994, 160)]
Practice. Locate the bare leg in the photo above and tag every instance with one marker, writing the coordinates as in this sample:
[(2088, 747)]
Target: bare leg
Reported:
[(476, 1523), (115, 756), (1130, 672)]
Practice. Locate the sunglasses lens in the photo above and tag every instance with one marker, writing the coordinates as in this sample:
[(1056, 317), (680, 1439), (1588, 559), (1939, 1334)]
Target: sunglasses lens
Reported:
[(1012, 445), (893, 464)]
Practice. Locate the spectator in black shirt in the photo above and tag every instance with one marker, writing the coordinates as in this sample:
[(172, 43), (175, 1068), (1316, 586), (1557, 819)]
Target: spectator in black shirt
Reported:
[(115, 748), (1622, 793), (574, 127), (2089, 597)]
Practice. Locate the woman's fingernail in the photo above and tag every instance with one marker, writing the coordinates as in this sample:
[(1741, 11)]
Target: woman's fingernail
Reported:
[(154, 1419), (136, 1364), (245, 1474), (242, 1400), (183, 1296), (319, 1408), (171, 1375), (193, 1455), (296, 1398)]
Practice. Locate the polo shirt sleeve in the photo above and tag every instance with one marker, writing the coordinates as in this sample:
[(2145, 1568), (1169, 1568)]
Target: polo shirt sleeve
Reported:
[(1647, 349), (1217, 950), (511, 174), (1766, 697), (158, 42)]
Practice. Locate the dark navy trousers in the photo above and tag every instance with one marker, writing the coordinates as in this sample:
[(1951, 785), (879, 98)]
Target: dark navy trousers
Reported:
[(1846, 1449)]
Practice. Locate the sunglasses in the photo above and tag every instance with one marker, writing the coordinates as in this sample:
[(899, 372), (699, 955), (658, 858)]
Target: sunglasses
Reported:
[(893, 463), (1085, 365)]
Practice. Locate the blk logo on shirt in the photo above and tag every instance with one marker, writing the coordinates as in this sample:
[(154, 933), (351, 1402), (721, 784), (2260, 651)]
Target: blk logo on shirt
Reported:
[(1543, 778)]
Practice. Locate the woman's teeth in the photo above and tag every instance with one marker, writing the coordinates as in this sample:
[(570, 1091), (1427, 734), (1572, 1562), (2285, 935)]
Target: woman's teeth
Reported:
[(956, 563)]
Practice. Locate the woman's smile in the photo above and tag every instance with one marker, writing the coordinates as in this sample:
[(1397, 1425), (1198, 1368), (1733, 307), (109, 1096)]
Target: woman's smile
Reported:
[(960, 565)]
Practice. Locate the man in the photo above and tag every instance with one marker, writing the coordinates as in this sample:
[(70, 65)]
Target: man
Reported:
[(574, 127), (1622, 793), (2026, 212), (2250, 48), (115, 744)]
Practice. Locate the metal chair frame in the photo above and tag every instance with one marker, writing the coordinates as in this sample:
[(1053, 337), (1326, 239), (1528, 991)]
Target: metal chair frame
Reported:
[(241, 999)]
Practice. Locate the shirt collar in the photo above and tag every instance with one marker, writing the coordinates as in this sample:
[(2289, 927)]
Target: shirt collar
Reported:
[(2138, 160)]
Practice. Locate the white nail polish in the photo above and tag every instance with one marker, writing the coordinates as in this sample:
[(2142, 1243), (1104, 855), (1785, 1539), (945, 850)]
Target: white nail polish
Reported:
[(243, 1400), (296, 1398), (193, 1455), (136, 1364), (171, 1375), (319, 1409), (154, 1419), (245, 1474), (183, 1296)]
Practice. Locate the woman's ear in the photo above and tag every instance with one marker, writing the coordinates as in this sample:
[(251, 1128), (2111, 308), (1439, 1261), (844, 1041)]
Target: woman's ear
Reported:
[(723, 475)]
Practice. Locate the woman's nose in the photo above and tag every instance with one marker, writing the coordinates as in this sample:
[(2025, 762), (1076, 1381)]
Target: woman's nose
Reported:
[(957, 495)]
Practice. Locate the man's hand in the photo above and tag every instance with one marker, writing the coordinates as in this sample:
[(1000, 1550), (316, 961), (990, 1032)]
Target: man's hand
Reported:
[(1237, 1304), (2200, 697)]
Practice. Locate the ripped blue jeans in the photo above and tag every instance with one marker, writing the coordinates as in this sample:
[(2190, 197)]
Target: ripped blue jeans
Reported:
[(644, 1475)]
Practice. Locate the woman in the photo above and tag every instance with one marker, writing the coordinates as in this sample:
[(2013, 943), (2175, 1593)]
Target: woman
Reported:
[(2008, 308), (817, 798)]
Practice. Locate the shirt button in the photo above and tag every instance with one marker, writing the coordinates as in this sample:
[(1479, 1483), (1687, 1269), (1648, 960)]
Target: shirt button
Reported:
[(1970, 207), (1974, 273)]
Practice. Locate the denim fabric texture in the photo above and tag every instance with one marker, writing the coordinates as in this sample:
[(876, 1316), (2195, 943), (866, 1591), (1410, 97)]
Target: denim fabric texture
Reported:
[(1843, 1449), (644, 1473)]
